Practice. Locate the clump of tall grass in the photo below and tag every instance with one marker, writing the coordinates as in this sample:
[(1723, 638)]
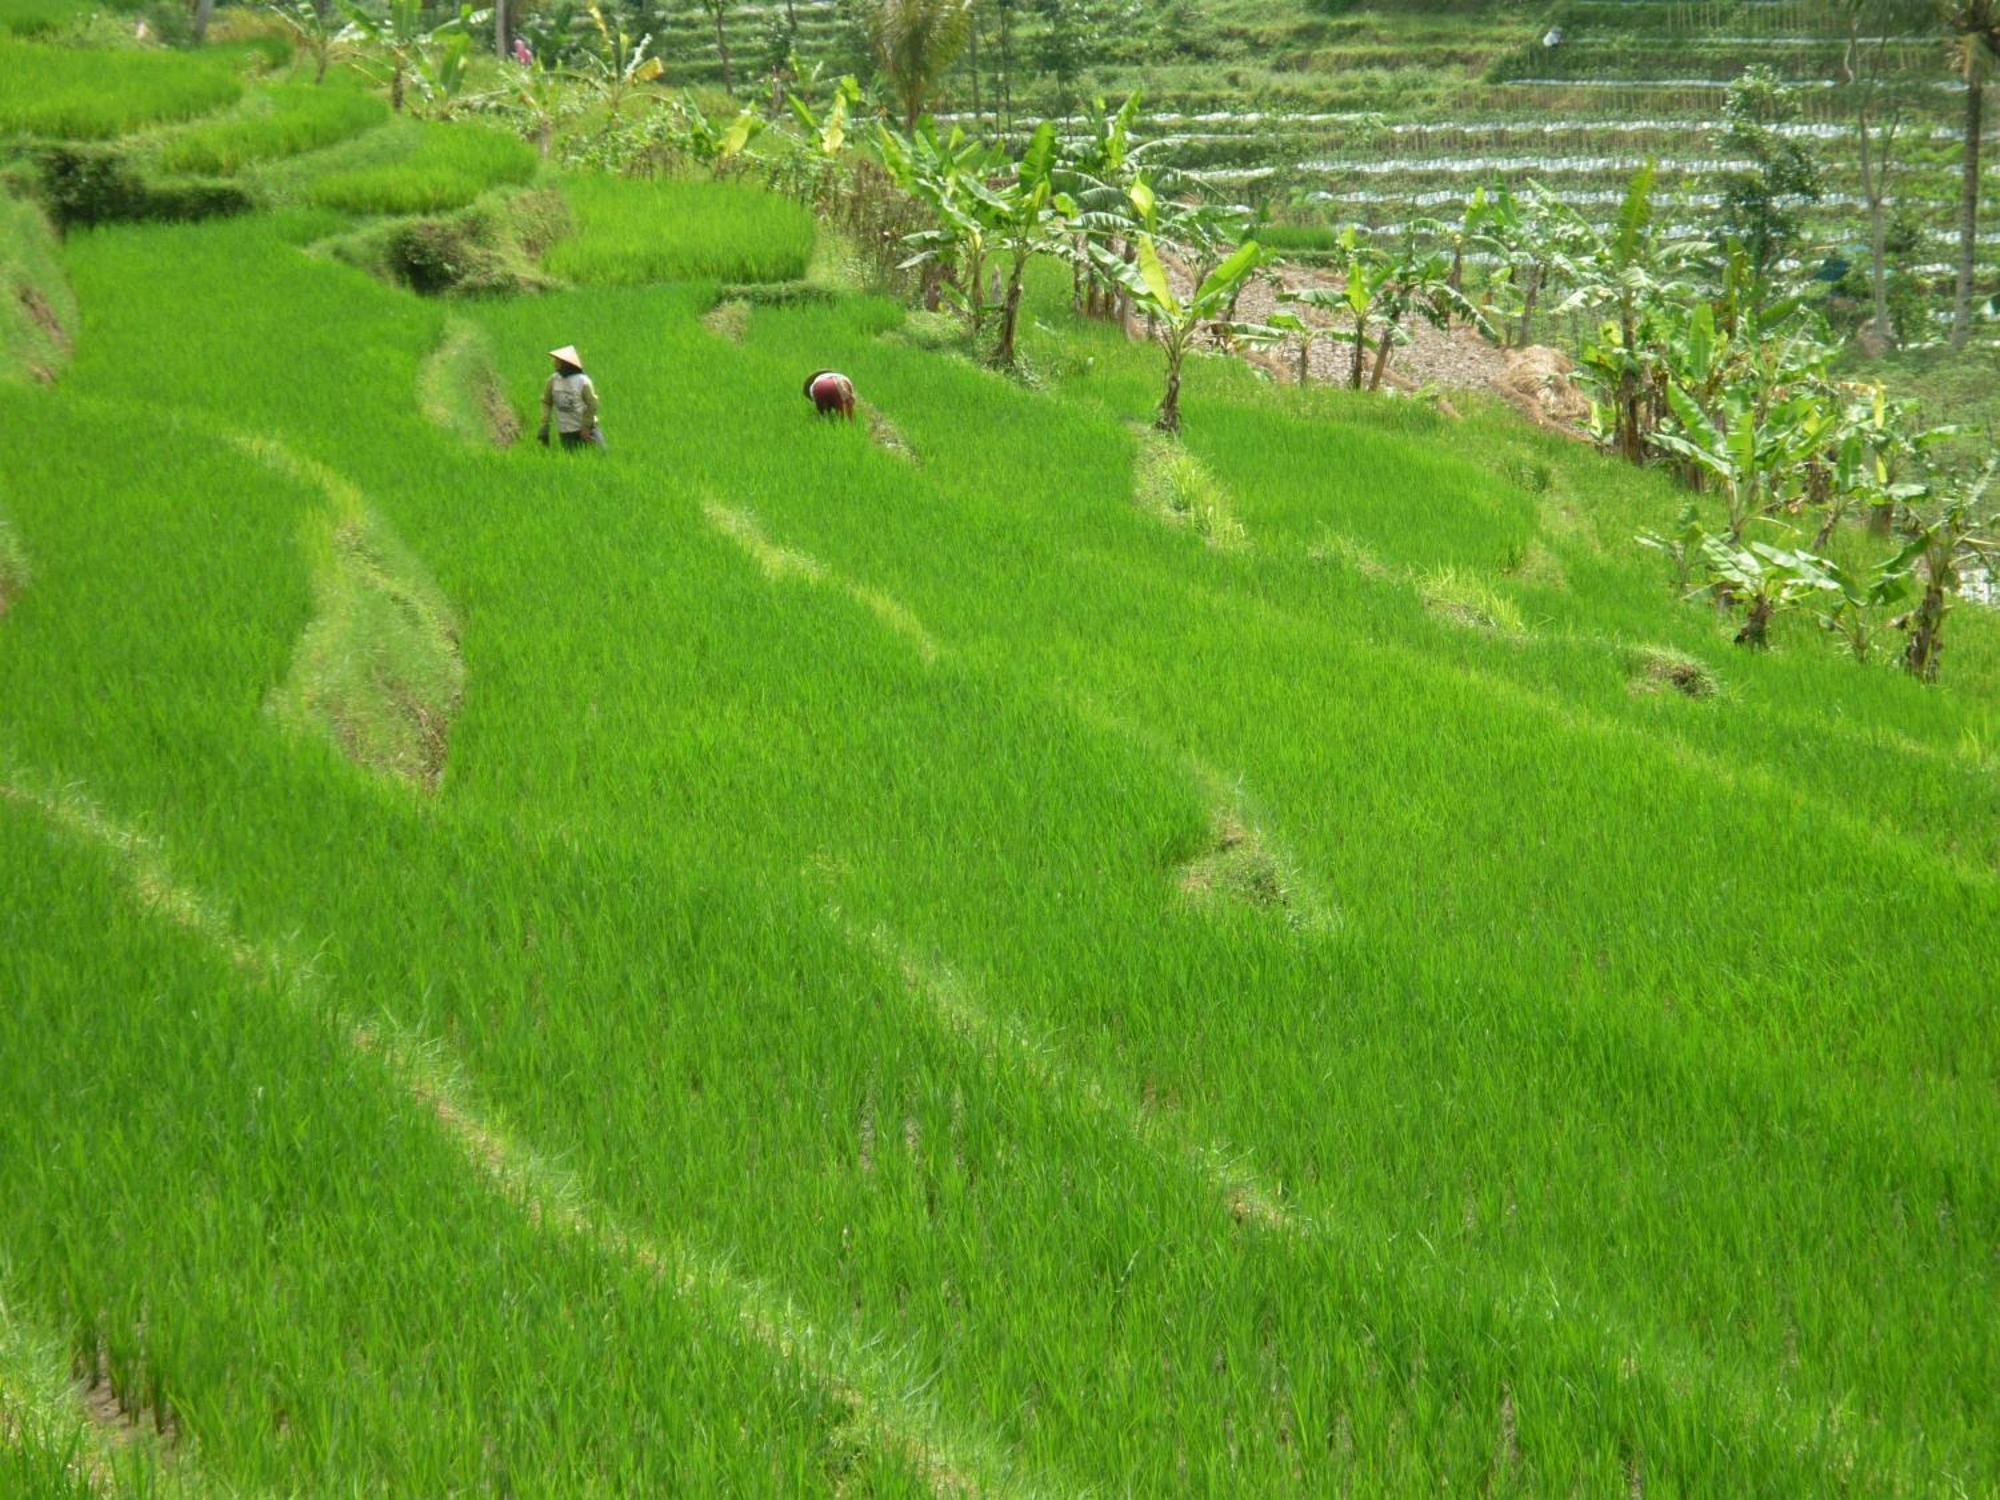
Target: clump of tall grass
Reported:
[(1173, 484), (1464, 598), (450, 166), (291, 119), (64, 93), (1654, 669), (635, 232)]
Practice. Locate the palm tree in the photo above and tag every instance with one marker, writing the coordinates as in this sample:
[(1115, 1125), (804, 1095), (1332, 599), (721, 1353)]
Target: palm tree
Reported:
[(1974, 27), (915, 42)]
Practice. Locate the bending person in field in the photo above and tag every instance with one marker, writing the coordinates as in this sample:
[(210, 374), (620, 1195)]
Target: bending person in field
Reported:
[(831, 392), (570, 401)]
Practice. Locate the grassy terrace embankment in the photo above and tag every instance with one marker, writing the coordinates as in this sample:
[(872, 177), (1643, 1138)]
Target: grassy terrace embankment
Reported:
[(936, 970)]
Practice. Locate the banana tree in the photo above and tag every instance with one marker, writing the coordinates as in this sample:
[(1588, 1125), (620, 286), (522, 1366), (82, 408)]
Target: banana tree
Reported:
[(1939, 550), (392, 36), (1631, 276), (313, 26), (711, 142), (1179, 318), (1516, 230), (1300, 328), (1752, 455), (1418, 282), (1027, 218), (1763, 578), (620, 66), (947, 176), (1097, 170)]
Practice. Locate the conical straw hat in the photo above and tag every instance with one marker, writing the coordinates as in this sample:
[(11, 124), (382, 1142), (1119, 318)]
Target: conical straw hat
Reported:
[(568, 355)]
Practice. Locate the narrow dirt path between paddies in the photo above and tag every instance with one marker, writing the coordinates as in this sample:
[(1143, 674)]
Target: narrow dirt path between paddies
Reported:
[(779, 563), (951, 1462)]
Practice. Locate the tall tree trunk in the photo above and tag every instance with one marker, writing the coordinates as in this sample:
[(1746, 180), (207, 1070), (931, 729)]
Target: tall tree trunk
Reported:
[(1968, 206), (972, 60), (1874, 188), (1006, 100), (500, 29), (204, 12), (722, 47), (396, 88)]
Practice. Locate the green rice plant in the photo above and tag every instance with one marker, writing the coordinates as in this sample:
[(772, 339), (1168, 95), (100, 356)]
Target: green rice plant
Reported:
[(37, 307), (285, 121), (629, 232), (794, 968), (73, 93), (448, 167)]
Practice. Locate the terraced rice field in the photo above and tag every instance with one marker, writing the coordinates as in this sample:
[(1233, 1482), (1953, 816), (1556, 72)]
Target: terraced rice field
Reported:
[(1003, 961)]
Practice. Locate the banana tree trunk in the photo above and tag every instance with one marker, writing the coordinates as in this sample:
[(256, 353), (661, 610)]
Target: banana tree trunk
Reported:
[(1360, 352), (1757, 624), (396, 88), (1968, 204), (1305, 359), (1169, 419), (1529, 298), (1010, 314), (1382, 356), (1920, 657)]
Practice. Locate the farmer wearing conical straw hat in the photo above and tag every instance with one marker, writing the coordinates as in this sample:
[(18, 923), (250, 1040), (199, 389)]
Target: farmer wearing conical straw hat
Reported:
[(571, 401)]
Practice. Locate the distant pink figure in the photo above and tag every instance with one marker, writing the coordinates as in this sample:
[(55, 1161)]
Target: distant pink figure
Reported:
[(831, 393), (522, 54)]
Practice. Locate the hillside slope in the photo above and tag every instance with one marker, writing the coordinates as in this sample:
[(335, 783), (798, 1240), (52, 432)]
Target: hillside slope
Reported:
[(985, 965)]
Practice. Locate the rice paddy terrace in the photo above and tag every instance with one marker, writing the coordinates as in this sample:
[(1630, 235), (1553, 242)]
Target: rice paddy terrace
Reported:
[(1389, 114), (969, 953)]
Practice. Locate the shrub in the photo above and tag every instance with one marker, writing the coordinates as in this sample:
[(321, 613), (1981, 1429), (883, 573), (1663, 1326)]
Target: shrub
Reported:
[(631, 232), (452, 165), (298, 118), (89, 94), (99, 185), (490, 247)]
